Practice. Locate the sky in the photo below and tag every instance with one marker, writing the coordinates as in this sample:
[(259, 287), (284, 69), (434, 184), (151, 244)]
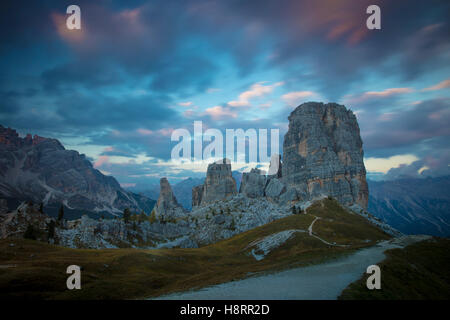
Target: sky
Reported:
[(116, 89)]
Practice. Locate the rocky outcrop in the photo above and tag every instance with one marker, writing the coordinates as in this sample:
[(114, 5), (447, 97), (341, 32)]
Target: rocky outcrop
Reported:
[(223, 219), (323, 155), (42, 170), (3, 206), (275, 188), (253, 183), (27, 216), (27, 221), (197, 193), (167, 207), (219, 182), (116, 233), (275, 168)]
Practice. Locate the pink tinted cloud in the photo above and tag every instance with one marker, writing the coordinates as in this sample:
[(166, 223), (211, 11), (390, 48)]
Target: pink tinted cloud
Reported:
[(145, 132), (189, 113), (218, 113), (255, 91), (101, 161), (74, 36), (388, 92), (386, 116), (293, 99), (161, 132), (439, 86), (376, 94)]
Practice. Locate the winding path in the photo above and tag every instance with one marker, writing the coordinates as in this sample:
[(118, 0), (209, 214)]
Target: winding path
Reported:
[(310, 230), (324, 281)]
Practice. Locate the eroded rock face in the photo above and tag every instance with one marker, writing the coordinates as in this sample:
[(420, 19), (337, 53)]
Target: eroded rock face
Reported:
[(15, 223), (275, 188), (253, 183), (275, 168), (219, 182), (42, 170), (323, 155), (3, 206), (197, 192), (167, 207)]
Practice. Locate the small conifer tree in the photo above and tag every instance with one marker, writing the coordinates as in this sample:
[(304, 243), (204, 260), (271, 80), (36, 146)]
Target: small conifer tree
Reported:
[(126, 215), (61, 213)]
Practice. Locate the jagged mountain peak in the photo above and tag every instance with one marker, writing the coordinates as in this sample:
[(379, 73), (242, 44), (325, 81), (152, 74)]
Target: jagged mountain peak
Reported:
[(42, 170)]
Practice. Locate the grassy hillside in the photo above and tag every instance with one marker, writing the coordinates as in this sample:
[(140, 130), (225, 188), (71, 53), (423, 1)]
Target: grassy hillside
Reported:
[(32, 269), (419, 271)]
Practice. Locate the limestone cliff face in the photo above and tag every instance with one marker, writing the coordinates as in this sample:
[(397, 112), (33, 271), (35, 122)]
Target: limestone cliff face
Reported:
[(275, 168), (323, 155), (167, 206), (42, 170), (197, 192), (253, 183), (219, 182)]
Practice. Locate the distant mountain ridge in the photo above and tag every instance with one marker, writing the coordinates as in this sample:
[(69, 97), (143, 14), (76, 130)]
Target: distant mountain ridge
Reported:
[(42, 170), (413, 205)]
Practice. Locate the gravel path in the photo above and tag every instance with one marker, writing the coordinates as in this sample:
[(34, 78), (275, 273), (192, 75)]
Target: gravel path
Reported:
[(324, 281)]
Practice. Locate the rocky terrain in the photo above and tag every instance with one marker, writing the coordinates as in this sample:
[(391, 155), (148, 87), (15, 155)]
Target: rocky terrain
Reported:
[(91, 233), (27, 220), (413, 205), (42, 170), (325, 231), (323, 158)]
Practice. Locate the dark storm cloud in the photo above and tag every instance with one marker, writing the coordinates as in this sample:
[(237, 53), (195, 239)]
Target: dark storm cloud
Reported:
[(85, 114), (331, 36), (91, 74), (116, 81), (142, 41), (434, 162), (152, 144), (417, 123), (421, 130), (145, 41)]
